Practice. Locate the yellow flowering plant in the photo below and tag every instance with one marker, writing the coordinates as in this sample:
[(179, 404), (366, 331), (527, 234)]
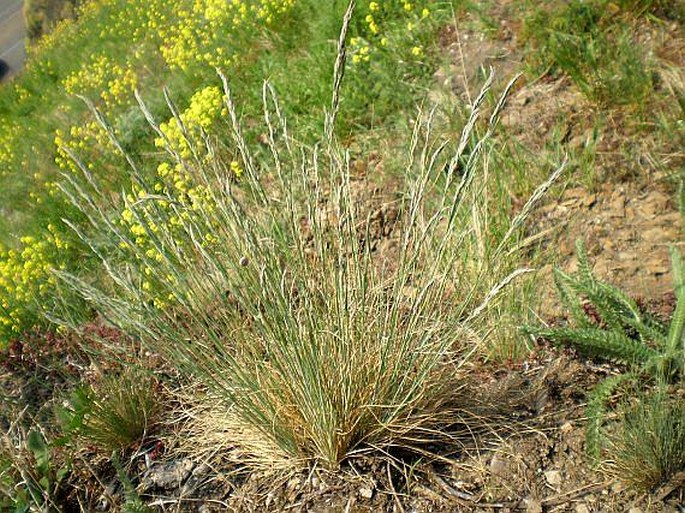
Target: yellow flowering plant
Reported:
[(26, 280), (156, 43), (200, 34), (156, 214), (112, 82), (389, 55), (397, 27)]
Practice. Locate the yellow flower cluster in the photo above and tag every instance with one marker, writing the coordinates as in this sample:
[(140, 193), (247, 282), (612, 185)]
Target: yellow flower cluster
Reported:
[(25, 278), (201, 31), (167, 211), (142, 222), (80, 137), (177, 193), (129, 19), (113, 82), (181, 32), (158, 33), (138, 19), (205, 107), (379, 28), (6, 148), (86, 12)]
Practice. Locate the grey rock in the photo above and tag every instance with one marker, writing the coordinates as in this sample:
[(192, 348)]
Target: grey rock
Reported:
[(168, 476)]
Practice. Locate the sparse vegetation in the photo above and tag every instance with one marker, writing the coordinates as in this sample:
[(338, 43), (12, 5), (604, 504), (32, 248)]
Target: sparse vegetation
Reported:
[(610, 325), (30, 475), (42, 15), (593, 44)]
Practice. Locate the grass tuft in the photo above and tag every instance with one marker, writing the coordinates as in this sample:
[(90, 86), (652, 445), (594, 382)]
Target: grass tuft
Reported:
[(648, 447), (594, 46), (114, 414), (261, 281)]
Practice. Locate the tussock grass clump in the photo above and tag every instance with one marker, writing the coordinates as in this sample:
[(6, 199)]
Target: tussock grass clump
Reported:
[(265, 288), (114, 414), (649, 445)]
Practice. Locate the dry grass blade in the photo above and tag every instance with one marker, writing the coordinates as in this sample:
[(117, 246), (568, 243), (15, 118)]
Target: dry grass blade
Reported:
[(339, 71)]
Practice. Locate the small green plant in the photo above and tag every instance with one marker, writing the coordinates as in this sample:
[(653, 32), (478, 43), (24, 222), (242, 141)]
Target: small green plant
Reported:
[(115, 413), (648, 446), (592, 46), (30, 475), (608, 324), (132, 501)]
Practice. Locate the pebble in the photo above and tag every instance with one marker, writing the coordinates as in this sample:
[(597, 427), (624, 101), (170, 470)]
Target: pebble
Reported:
[(553, 477), (366, 493), (566, 428), (168, 476), (533, 506)]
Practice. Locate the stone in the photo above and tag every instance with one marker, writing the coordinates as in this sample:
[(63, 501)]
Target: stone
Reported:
[(657, 235), (574, 193), (617, 207), (590, 200), (553, 477), (365, 492), (533, 506), (168, 476), (498, 465), (582, 508), (566, 427), (653, 204)]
